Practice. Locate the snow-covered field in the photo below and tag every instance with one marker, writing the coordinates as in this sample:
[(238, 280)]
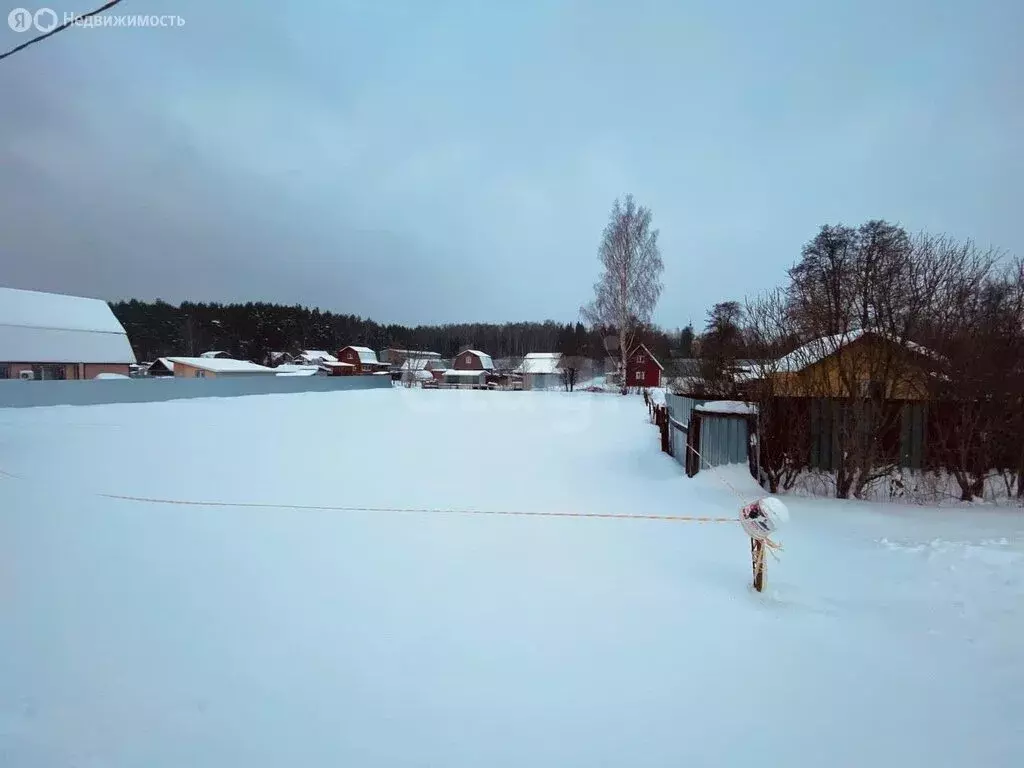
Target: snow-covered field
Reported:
[(142, 634)]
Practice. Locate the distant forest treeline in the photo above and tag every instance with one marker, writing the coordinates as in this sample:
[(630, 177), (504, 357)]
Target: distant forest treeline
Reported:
[(251, 331)]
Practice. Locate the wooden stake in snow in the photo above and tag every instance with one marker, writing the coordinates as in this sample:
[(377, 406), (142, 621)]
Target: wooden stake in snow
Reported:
[(760, 519)]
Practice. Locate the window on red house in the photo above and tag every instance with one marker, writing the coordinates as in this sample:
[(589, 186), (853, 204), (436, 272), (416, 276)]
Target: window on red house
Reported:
[(639, 375)]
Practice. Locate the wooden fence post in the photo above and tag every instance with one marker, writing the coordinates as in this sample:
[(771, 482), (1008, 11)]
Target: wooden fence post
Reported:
[(758, 563)]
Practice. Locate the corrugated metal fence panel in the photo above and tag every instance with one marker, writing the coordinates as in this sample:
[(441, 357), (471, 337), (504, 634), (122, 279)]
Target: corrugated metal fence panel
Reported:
[(826, 430), (723, 440), (913, 417), (678, 438), (681, 408)]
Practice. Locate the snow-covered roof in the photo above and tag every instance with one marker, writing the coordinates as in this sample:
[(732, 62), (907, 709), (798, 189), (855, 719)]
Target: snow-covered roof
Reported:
[(485, 359), (414, 353), (316, 355), (458, 372), (302, 371), (420, 364), (540, 362), (818, 349), (214, 353), (38, 327), (366, 355), (419, 375), (221, 365), (166, 363), (334, 364), (294, 368), (727, 407)]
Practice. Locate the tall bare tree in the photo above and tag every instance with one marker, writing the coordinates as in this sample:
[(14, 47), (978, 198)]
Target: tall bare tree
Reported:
[(783, 423), (629, 286), (976, 330), (873, 282)]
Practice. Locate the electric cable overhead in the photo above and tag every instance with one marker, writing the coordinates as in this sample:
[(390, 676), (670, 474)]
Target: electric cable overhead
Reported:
[(59, 28)]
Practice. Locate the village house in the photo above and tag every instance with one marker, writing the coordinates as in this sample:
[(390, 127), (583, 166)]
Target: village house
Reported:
[(216, 367), (473, 360), (643, 368), (216, 355), (419, 369), (858, 364), (362, 359), (313, 357), (397, 357), (53, 336)]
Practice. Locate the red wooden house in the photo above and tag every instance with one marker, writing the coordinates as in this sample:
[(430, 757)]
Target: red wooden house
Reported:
[(643, 368), (362, 359)]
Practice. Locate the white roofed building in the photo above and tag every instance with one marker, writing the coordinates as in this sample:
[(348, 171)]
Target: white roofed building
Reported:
[(314, 356), (540, 370), (216, 367), (54, 336), (465, 378), (394, 357)]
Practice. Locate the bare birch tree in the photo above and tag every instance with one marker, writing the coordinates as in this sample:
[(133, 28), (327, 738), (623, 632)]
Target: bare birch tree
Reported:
[(629, 287)]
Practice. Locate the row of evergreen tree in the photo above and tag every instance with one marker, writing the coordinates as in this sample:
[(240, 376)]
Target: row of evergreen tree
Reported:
[(252, 331)]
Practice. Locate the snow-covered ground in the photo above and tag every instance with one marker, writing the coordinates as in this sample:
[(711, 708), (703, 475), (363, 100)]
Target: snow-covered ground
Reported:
[(141, 634)]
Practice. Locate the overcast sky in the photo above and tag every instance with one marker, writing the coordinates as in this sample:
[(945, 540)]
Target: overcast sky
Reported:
[(426, 161)]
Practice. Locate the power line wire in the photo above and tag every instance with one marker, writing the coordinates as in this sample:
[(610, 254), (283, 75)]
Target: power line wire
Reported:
[(55, 30)]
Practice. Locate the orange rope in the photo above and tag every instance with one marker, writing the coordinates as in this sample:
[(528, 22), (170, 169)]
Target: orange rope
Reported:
[(418, 510), (415, 510)]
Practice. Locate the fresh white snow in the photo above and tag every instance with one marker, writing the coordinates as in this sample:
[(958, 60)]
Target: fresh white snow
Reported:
[(222, 365), (727, 407), (135, 634)]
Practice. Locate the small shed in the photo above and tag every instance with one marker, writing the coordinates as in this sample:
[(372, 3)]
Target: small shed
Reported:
[(162, 366), (540, 370), (216, 367), (643, 368), (721, 432), (466, 379), (473, 360)]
